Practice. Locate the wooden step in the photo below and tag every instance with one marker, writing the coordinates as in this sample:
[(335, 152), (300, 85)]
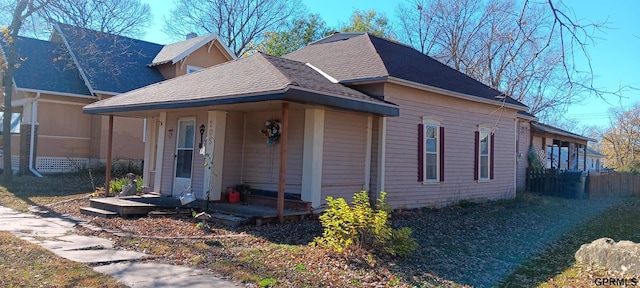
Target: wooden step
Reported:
[(98, 212), (289, 204), (122, 206), (228, 220)]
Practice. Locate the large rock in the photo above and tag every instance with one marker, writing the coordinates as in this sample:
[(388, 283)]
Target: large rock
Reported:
[(623, 256)]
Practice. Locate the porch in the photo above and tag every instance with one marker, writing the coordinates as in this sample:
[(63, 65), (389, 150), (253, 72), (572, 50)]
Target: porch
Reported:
[(232, 214)]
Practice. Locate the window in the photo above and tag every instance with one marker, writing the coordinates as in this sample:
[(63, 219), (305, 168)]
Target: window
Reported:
[(484, 154), (191, 69), (430, 151)]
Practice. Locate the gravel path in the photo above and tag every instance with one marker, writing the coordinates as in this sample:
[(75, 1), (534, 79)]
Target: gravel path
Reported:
[(482, 245)]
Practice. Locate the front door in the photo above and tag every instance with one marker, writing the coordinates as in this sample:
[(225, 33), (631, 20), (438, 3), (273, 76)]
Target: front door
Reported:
[(184, 155)]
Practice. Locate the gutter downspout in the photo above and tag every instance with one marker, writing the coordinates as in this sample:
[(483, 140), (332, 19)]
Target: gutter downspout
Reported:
[(34, 117)]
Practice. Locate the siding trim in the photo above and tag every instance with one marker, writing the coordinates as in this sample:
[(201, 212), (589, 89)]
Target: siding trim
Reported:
[(476, 157), (441, 154), (492, 138)]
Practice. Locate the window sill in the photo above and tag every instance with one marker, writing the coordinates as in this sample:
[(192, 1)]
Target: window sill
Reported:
[(484, 180), (430, 182)]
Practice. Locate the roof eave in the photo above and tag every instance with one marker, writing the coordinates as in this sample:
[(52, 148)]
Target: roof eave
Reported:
[(429, 88)]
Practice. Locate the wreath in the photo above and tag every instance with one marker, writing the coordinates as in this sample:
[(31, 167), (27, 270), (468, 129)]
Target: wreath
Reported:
[(272, 131)]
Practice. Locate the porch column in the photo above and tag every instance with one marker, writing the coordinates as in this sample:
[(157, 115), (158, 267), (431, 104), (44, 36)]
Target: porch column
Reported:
[(584, 157), (382, 153), (157, 180), (367, 156), (214, 151), (149, 143), (312, 156), (109, 151), (284, 134)]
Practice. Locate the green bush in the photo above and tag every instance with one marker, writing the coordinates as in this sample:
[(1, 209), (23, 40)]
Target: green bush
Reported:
[(116, 184), (363, 226)]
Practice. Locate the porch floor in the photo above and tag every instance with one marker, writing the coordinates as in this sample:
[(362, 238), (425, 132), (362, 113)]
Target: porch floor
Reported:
[(142, 205)]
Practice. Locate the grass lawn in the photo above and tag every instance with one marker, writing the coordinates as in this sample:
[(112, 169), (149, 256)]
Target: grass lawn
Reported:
[(555, 265), (24, 264), (26, 191)]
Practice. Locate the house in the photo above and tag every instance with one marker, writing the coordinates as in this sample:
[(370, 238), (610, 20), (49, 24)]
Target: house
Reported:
[(353, 111), (594, 160), (76, 67)]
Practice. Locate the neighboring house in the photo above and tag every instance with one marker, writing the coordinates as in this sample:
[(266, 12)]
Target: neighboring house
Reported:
[(362, 113), (76, 67), (594, 160)]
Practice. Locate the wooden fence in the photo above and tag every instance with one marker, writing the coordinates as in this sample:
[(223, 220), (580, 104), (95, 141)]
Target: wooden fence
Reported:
[(553, 182), (613, 184)]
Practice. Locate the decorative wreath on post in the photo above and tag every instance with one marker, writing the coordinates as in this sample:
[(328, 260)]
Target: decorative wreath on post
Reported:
[(272, 131)]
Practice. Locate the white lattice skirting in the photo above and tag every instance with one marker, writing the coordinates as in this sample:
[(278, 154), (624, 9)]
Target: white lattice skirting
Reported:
[(60, 164)]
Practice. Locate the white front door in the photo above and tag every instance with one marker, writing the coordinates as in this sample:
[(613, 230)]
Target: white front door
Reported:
[(184, 155)]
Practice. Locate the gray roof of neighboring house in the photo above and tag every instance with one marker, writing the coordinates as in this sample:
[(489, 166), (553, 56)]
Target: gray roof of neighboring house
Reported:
[(112, 63), (259, 77), (177, 51), (591, 152), (361, 57), (558, 131), (46, 67)]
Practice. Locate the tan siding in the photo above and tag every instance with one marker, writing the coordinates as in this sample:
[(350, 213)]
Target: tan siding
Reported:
[(201, 58), (63, 130), (262, 163), (524, 141), (344, 150), (460, 119), (232, 166)]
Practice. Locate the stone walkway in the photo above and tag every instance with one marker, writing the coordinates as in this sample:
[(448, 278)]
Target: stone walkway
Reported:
[(58, 236)]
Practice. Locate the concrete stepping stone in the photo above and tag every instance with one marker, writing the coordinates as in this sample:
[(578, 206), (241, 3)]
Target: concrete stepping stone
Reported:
[(99, 256), (77, 242), (153, 275)]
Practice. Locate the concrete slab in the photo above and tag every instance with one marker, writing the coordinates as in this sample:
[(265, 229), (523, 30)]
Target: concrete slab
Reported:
[(76, 242), (99, 256), (162, 275)]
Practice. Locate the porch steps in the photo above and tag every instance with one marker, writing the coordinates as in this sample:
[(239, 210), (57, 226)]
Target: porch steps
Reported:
[(91, 211), (289, 204), (228, 220), (122, 207)]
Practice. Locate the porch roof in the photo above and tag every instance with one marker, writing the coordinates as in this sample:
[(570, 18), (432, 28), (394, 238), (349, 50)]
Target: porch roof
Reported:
[(259, 77), (559, 133)]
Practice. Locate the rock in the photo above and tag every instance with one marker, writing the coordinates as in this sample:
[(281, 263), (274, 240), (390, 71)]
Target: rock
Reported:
[(623, 256)]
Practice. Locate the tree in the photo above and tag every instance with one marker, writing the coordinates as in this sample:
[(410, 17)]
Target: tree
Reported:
[(524, 50), (120, 17), (22, 10), (371, 22), (621, 141), (241, 24), (298, 34)]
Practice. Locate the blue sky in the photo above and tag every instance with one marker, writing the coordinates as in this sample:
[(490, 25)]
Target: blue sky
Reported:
[(615, 56)]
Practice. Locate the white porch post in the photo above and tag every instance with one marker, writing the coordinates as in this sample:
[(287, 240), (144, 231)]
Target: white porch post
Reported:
[(382, 150), (367, 156), (149, 143), (312, 156), (157, 181), (214, 147)]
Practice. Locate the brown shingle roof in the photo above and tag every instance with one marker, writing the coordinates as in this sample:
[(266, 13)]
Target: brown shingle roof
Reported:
[(238, 81), (364, 57)]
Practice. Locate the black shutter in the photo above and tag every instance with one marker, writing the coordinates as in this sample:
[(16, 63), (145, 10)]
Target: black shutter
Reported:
[(420, 152), (476, 155), (441, 154), (491, 157)]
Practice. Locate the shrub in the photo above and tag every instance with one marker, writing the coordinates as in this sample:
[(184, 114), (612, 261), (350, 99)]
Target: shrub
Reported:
[(363, 226), (116, 185)]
